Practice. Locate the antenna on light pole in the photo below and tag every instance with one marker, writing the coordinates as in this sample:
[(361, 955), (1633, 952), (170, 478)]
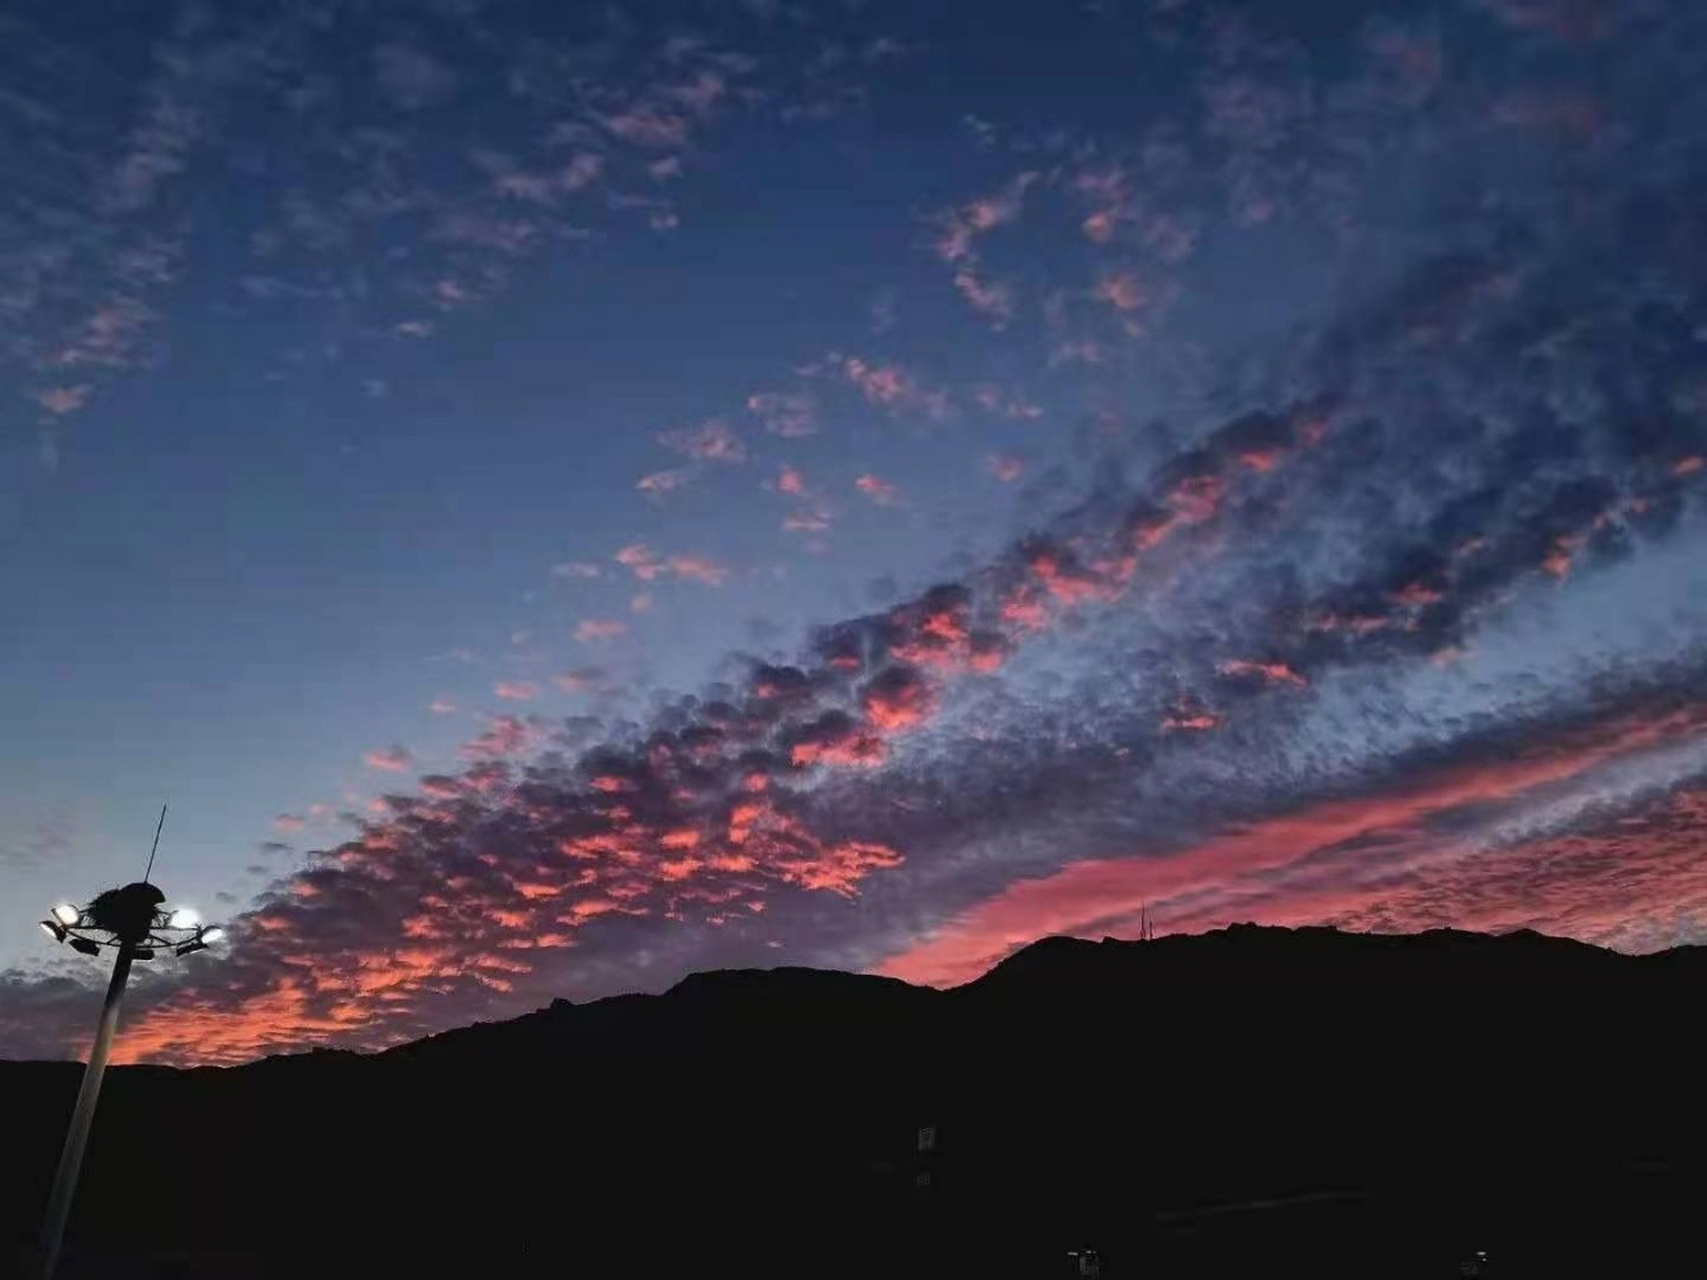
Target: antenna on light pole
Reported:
[(156, 848)]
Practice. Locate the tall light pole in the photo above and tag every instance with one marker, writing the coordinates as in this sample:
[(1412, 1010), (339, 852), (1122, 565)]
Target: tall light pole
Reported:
[(133, 922)]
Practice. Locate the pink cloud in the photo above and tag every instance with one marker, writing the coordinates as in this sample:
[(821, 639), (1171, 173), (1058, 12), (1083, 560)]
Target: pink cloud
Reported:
[(393, 759), (879, 491), (516, 690), (961, 227), (289, 822), (710, 441), (504, 736), (987, 297), (1005, 467), (648, 566), (592, 629), (789, 480), (442, 707), (1213, 880), (889, 386)]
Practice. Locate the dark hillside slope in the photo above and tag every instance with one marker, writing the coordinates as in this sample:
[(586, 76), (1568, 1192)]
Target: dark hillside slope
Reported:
[(1392, 1100)]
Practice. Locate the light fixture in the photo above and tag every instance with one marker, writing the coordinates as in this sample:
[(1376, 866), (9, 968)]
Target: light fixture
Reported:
[(186, 948), (88, 946), (142, 953), (213, 933), (54, 930), (183, 918), (67, 914)]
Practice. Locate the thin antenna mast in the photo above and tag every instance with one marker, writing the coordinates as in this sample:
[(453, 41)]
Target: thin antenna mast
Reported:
[(156, 848)]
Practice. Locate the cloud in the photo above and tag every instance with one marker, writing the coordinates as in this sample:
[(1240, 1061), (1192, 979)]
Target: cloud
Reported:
[(590, 630), (575, 569), (1397, 607), (662, 482), (442, 707), (504, 736), (61, 401), (580, 680), (411, 78), (1221, 879), (889, 386), (1122, 291), (1005, 467), (516, 690), (650, 127), (959, 229), (787, 414), (393, 759), (711, 441), (649, 566), (879, 491)]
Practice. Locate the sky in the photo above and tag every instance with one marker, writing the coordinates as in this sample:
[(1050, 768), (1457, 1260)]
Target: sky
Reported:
[(557, 497)]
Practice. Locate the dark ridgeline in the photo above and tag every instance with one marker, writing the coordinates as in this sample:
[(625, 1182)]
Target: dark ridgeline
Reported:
[(1252, 1101)]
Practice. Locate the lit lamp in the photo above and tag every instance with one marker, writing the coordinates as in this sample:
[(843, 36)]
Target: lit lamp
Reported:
[(133, 923)]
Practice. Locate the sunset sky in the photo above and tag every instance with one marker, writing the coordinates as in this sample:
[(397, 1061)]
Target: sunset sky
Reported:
[(560, 496)]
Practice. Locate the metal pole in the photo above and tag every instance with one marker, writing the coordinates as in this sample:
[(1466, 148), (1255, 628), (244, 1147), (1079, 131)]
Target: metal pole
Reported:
[(71, 1158)]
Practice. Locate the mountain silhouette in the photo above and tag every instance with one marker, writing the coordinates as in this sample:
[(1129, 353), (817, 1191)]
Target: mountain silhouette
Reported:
[(1253, 1099)]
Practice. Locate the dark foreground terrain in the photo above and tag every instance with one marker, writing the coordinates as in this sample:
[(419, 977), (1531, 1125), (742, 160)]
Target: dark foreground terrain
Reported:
[(1248, 1102)]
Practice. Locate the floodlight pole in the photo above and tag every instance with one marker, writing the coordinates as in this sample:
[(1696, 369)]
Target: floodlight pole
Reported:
[(71, 1158)]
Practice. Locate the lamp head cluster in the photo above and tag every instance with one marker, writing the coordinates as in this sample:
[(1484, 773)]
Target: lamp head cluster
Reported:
[(134, 914)]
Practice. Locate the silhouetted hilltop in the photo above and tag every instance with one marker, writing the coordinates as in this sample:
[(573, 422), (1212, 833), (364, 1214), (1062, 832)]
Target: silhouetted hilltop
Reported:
[(1388, 1097), (1251, 955)]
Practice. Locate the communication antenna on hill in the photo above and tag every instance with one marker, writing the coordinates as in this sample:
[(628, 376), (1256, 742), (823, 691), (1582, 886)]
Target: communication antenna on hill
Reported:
[(156, 849), (1146, 926)]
